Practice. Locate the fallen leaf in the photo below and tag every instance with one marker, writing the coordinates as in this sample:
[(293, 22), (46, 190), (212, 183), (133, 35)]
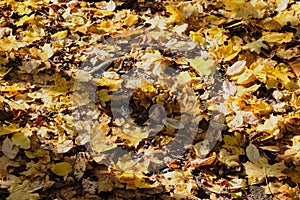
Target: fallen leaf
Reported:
[(252, 152), (9, 148), (237, 68), (260, 169), (61, 169), (111, 6), (203, 67), (21, 140), (4, 130), (230, 160)]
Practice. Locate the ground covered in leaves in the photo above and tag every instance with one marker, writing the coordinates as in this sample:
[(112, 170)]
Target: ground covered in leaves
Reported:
[(148, 99)]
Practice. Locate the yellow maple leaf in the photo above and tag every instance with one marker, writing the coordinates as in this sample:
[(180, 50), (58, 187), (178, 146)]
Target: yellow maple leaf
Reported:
[(103, 96), (203, 67), (135, 180), (259, 107), (244, 9), (10, 42), (176, 15), (260, 169), (46, 52), (279, 38), (99, 141), (179, 180), (133, 136), (60, 35), (228, 49), (256, 46), (131, 20), (287, 16), (197, 36), (25, 19)]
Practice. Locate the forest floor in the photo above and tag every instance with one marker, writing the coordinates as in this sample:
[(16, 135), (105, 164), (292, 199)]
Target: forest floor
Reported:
[(145, 99)]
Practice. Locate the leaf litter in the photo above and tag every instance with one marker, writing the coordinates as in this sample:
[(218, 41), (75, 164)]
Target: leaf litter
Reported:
[(253, 45)]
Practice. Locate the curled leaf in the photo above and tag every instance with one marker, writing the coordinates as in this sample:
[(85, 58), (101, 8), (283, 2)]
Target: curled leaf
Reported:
[(237, 68)]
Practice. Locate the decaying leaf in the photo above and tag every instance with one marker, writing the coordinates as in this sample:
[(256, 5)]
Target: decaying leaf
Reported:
[(252, 152), (23, 191), (9, 148)]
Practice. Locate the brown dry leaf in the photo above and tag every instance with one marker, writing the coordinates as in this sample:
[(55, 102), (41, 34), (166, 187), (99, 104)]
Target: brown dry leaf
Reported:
[(282, 191), (270, 148), (203, 161), (9, 148), (79, 167), (252, 152), (6, 162), (293, 173), (295, 65), (23, 192), (105, 183), (65, 146)]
